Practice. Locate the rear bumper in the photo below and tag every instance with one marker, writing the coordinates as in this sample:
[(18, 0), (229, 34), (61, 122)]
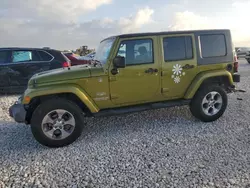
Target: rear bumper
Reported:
[(236, 77), (17, 112)]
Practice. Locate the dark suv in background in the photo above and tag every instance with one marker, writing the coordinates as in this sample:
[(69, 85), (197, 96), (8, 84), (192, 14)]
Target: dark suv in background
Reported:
[(18, 65)]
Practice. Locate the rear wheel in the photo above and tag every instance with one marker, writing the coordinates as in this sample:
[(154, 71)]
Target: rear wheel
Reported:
[(209, 103), (57, 122)]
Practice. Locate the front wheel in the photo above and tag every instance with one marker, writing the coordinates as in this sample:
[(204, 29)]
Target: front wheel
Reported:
[(57, 122), (209, 103)]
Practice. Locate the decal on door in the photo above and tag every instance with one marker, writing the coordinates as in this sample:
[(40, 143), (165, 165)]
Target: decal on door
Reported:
[(177, 73)]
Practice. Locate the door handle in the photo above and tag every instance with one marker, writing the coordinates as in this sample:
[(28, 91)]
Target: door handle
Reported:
[(187, 66), (151, 70)]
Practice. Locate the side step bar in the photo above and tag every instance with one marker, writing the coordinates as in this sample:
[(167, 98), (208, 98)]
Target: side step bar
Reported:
[(140, 108)]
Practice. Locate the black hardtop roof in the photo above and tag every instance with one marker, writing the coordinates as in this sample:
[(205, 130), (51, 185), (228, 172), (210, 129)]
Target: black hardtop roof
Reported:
[(167, 33)]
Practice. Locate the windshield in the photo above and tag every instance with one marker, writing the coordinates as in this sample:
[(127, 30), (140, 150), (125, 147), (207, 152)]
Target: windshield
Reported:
[(103, 50)]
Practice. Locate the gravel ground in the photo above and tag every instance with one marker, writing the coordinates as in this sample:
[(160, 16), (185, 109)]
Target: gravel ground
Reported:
[(160, 148)]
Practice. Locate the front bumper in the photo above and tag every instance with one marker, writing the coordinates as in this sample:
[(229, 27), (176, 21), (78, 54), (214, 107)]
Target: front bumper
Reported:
[(17, 112)]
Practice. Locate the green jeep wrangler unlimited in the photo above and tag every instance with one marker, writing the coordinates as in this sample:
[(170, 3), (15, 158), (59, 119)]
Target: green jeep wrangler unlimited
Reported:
[(131, 73)]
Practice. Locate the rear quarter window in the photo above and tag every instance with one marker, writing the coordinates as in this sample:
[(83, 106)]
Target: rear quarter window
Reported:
[(213, 45), (58, 55), (45, 56)]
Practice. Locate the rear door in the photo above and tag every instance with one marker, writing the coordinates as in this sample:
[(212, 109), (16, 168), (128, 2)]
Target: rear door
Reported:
[(179, 64), (24, 64), (45, 61)]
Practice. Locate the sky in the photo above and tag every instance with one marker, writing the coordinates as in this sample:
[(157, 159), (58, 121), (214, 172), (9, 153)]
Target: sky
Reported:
[(69, 24)]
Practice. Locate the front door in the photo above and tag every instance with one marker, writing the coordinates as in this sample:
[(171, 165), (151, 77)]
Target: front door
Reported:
[(179, 64), (139, 81)]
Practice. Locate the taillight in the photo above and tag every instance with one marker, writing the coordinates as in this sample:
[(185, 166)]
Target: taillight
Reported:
[(235, 58), (66, 64), (236, 63), (236, 66)]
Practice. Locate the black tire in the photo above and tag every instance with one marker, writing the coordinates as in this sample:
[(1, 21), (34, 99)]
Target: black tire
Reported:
[(196, 103), (47, 106), (248, 60)]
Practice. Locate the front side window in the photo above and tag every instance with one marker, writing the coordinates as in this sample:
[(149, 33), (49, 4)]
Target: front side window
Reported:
[(24, 56), (178, 48), (103, 50), (122, 50), (136, 52)]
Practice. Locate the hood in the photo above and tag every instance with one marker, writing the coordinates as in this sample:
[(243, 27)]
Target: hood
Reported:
[(62, 74)]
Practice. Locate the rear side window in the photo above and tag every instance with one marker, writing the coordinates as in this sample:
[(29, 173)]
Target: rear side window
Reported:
[(45, 56), (213, 45), (4, 56), (178, 48), (24, 56)]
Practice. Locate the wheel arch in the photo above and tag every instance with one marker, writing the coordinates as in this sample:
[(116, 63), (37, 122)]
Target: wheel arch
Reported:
[(36, 101), (222, 78)]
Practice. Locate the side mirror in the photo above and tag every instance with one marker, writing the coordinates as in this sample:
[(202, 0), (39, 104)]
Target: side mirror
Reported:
[(119, 62)]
